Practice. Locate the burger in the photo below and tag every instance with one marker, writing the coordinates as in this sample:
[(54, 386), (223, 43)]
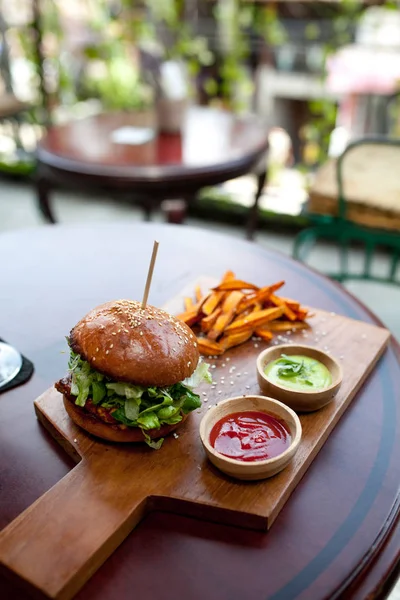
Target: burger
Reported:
[(132, 372)]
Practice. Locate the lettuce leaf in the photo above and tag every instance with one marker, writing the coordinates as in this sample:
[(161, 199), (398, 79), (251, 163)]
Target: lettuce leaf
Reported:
[(99, 391), (188, 400), (74, 387), (132, 408), (114, 401), (192, 401), (82, 378), (167, 412), (126, 389), (200, 374), (135, 405), (119, 415), (148, 421), (159, 392), (172, 420), (155, 444), (82, 381), (153, 407)]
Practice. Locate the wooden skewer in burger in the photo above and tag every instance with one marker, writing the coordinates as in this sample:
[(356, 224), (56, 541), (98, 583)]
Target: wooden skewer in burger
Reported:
[(132, 371)]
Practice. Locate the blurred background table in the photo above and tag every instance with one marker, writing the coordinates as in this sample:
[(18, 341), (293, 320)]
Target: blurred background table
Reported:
[(338, 535), (214, 146)]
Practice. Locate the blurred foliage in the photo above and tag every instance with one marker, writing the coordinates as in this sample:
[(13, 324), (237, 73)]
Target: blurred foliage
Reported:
[(118, 84), (315, 135), (243, 24), (108, 65), (175, 34)]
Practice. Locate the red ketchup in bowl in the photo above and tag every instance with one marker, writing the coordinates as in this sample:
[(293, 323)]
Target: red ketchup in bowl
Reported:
[(250, 436)]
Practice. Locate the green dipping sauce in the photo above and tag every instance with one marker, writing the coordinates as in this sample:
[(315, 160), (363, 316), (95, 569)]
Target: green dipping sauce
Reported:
[(297, 372)]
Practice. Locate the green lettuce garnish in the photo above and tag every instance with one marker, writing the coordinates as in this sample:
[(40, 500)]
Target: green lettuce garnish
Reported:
[(168, 412), (135, 405), (148, 421), (99, 391), (155, 444), (126, 389), (200, 374), (132, 408)]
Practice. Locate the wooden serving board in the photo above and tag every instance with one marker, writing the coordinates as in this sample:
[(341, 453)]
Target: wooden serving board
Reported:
[(55, 545)]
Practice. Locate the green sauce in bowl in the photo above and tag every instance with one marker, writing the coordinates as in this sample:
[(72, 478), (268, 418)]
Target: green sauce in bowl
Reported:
[(297, 372)]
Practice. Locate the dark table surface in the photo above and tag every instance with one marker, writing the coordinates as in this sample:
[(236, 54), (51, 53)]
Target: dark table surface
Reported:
[(213, 145), (337, 536)]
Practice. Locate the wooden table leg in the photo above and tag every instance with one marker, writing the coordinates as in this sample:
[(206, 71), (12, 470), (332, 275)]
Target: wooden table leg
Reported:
[(43, 200), (148, 211), (148, 204), (253, 215)]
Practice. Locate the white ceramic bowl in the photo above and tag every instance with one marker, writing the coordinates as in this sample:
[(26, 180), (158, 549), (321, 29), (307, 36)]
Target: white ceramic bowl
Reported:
[(260, 469), (301, 401)]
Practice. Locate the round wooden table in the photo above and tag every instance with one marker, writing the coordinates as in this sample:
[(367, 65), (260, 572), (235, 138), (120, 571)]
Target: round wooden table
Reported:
[(90, 153), (337, 536)]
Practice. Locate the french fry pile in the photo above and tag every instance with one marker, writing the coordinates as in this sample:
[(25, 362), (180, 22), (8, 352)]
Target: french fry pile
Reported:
[(235, 310)]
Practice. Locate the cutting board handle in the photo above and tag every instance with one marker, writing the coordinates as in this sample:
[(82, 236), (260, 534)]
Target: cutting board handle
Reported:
[(57, 544)]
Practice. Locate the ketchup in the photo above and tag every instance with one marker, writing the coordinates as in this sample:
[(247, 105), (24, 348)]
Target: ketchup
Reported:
[(250, 435)]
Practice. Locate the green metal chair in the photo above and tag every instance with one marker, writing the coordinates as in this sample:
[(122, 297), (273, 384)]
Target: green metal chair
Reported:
[(345, 232)]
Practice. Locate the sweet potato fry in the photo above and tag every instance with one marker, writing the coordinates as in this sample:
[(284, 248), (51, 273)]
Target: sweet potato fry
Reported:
[(215, 298), (209, 348), (293, 304), (235, 309), (241, 316), (255, 320), (234, 284), (188, 302), (286, 310), (302, 314), (265, 292), (195, 313), (257, 307), (228, 275), (190, 317), (285, 325), (234, 339), (212, 302), (264, 334), (231, 301), (246, 303), (228, 312), (261, 296), (277, 285), (208, 322), (198, 294)]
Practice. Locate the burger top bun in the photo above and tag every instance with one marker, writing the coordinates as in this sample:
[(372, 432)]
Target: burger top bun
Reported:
[(147, 347)]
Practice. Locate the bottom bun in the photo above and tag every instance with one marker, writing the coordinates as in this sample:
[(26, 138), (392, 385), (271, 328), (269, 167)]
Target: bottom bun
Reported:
[(113, 433)]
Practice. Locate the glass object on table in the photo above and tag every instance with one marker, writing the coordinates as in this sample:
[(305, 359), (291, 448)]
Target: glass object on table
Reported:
[(10, 363)]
